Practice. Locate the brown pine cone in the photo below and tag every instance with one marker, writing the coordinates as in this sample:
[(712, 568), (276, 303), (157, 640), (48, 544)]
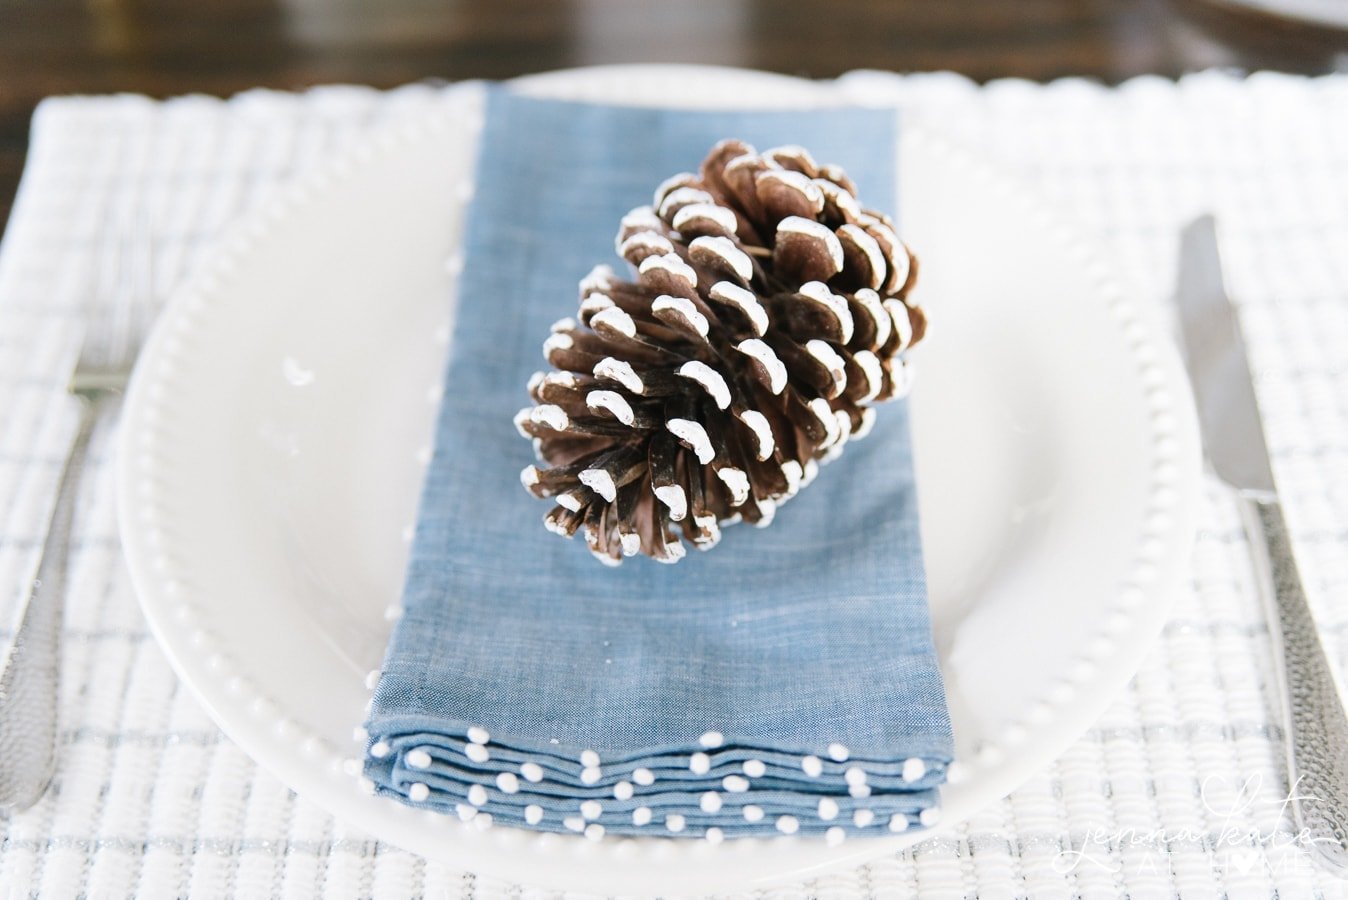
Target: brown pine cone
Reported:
[(769, 311)]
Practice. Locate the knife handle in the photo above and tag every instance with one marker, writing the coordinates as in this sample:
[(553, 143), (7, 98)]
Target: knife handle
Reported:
[(1316, 725)]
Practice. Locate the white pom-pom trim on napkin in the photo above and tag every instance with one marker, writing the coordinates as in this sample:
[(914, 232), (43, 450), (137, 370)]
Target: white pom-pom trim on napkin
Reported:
[(588, 813)]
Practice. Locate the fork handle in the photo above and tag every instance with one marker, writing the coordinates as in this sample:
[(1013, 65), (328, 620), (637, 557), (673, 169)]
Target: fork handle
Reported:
[(31, 679), (1313, 713)]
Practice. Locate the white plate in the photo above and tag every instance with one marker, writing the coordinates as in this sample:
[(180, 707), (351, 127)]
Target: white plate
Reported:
[(272, 440), (1327, 13)]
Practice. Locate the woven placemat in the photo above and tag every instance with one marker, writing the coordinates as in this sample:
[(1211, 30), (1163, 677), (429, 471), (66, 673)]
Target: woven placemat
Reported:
[(1175, 791)]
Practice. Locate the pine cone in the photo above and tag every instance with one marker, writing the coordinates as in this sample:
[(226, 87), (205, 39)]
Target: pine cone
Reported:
[(769, 311)]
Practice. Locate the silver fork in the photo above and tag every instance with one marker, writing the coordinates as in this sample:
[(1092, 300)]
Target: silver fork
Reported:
[(115, 327)]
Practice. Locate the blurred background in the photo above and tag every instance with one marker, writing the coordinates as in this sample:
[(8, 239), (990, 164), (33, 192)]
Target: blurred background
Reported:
[(166, 47)]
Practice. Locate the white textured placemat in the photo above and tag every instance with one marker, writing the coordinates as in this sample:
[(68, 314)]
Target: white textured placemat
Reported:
[(1175, 792)]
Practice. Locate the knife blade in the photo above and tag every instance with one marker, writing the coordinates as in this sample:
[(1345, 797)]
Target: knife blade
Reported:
[(1315, 725), (1233, 431)]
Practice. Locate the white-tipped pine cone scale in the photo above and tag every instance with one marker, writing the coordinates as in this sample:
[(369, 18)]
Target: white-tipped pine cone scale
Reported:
[(769, 311)]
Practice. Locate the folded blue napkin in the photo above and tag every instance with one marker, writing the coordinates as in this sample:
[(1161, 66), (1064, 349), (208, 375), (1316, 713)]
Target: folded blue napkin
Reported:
[(783, 682)]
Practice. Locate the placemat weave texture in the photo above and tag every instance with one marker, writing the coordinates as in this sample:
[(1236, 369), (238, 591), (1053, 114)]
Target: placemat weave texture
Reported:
[(151, 800)]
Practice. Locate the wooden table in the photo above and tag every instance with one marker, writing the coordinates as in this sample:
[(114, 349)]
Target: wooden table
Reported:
[(164, 47)]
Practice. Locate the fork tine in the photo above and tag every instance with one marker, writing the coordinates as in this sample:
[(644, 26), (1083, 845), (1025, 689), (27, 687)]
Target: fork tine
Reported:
[(118, 325), (142, 301), (136, 287), (97, 316)]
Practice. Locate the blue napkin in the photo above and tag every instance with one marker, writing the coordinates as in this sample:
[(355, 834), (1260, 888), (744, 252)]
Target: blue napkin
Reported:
[(784, 681)]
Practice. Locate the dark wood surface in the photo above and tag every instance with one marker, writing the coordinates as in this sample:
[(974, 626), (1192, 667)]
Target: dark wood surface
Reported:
[(165, 47)]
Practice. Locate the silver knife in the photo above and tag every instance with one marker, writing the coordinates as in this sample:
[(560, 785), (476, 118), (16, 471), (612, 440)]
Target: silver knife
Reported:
[(1315, 724)]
